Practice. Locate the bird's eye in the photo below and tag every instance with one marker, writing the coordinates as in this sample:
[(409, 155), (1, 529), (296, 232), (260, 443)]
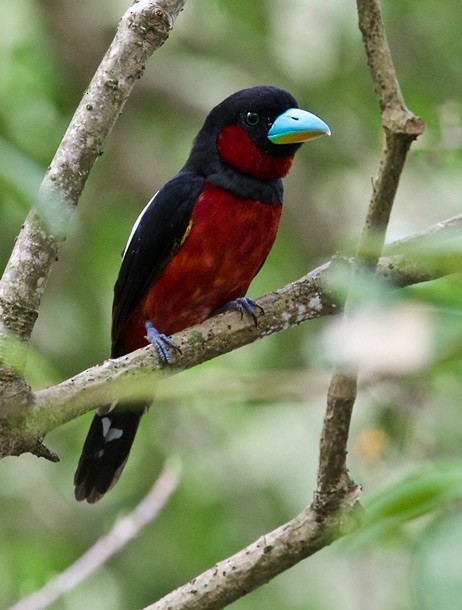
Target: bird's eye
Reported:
[(251, 119)]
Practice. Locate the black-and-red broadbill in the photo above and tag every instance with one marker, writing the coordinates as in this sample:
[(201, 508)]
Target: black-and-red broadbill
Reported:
[(196, 247)]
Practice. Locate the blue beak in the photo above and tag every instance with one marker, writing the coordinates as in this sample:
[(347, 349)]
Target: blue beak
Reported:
[(295, 126)]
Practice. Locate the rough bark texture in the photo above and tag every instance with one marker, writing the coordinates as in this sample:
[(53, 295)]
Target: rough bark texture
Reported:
[(401, 128), (334, 510), (264, 559), (308, 298), (143, 28)]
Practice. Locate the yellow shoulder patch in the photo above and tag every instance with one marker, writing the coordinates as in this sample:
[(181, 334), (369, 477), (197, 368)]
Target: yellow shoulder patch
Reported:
[(186, 233)]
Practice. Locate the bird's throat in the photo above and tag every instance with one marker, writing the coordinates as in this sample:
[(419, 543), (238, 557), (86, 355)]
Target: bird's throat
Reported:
[(237, 150)]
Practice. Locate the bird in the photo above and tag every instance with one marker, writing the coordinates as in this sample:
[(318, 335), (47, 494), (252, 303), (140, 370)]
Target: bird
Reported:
[(195, 248)]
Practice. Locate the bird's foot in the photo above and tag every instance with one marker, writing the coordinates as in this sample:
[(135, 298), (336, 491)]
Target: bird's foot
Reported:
[(242, 305), (161, 342)]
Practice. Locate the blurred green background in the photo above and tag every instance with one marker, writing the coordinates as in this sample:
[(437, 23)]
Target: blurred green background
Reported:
[(246, 426)]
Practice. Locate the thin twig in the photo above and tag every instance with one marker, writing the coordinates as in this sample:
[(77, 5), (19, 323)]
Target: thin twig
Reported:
[(107, 546), (401, 128)]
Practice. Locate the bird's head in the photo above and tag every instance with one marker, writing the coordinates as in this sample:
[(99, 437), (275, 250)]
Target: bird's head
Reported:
[(257, 131)]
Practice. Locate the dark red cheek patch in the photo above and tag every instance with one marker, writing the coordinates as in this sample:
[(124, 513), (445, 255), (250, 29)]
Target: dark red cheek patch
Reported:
[(237, 149)]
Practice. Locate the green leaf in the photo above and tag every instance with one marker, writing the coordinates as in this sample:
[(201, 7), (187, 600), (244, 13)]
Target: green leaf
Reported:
[(387, 513), (437, 565)]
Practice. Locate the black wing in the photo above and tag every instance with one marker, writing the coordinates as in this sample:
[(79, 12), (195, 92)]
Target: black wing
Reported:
[(155, 238)]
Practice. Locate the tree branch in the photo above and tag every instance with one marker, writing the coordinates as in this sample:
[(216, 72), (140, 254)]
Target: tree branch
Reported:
[(143, 28), (134, 375), (401, 128), (264, 559), (334, 510), (235, 577), (107, 546)]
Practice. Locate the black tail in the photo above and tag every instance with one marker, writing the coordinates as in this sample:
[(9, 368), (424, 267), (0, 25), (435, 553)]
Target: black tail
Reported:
[(105, 452)]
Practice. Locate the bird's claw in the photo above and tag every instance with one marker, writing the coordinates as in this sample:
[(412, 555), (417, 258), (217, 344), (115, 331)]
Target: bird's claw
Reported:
[(243, 305), (161, 342)]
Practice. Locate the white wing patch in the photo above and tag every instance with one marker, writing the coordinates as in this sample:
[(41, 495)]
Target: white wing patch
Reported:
[(136, 225)]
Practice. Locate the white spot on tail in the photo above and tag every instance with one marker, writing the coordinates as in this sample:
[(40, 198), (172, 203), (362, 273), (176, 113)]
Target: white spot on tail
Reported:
[(113, 435), (106, 423)]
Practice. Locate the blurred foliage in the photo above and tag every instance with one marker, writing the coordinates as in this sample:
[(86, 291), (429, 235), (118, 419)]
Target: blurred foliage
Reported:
[(247, 425)]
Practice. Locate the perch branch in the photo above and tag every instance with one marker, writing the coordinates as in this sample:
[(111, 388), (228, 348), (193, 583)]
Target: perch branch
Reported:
[(252, 567), (307, 298), (334, 509)]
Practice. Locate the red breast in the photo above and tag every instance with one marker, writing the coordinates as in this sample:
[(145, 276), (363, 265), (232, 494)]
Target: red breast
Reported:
[(226, 245)]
